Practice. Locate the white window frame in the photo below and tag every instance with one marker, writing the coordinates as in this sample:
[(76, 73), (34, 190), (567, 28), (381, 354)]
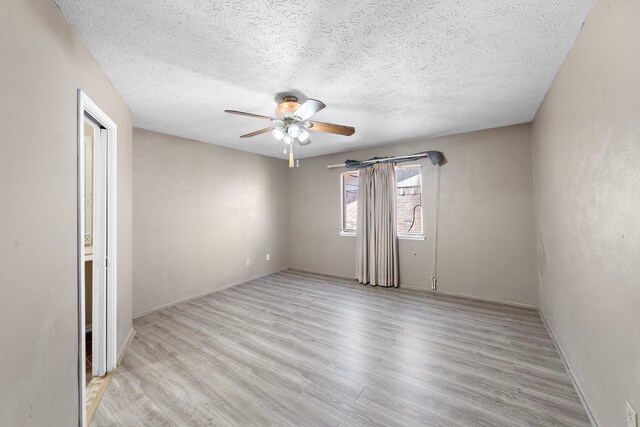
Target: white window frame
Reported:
[(343, 231), (413, 236), (402, 236)]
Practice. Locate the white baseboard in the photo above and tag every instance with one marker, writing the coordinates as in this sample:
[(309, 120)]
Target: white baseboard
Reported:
[(321, 273), (227, 286), (472, 297), (132, 333), (416, 288), (574, 380)]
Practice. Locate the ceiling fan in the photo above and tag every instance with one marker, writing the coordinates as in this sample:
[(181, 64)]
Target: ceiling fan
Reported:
[(292, 124)]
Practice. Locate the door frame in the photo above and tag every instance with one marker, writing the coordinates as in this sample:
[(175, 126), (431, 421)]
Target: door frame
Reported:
[(108, 300)]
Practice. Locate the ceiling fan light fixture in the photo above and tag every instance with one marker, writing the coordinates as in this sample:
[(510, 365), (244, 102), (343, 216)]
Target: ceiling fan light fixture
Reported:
[(287, 139), (294, 130), (278, 133)]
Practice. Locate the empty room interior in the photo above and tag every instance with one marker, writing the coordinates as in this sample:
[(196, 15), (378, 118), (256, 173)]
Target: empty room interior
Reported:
[(320, 213)]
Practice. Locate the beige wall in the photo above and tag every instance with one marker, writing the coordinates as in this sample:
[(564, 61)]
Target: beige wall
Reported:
[(200, 211), (486, 240), (586, 139), (43, 65)]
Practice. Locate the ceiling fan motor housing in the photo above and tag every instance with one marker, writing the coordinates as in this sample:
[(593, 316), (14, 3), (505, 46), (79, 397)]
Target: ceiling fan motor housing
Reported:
[(288, 105)]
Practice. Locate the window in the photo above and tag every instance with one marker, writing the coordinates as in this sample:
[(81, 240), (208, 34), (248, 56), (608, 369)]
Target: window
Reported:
[(408, 201), (349, 201)]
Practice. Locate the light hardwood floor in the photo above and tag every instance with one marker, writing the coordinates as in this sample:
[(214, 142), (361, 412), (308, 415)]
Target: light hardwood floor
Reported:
[(305, 350)]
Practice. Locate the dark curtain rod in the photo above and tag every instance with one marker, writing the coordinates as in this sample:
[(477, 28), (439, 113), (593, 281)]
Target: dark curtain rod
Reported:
[(436, 157)]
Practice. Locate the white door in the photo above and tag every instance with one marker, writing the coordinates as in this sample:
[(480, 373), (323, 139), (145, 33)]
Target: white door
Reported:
[(103, 230), (100, 251)]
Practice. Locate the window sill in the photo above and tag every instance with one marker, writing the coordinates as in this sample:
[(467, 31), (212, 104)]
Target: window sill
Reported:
[(400, 236), (411, 236)]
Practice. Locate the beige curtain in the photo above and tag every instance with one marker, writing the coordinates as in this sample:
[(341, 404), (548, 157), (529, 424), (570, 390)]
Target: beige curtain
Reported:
[(376, 233)]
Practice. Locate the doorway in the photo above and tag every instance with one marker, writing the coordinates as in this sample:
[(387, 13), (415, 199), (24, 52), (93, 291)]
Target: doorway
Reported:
[(97, 285)]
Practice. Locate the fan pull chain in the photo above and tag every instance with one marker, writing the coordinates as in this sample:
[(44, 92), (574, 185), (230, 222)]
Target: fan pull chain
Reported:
[(291, 164)]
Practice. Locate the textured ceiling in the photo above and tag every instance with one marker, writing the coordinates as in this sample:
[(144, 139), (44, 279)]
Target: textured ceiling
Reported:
[(395, 70)]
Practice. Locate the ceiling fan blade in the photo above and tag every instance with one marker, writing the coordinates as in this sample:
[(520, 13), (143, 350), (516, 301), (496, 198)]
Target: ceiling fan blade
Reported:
[(331, 128), (308, 109), (242, 113), (258, 132), (306, 142)]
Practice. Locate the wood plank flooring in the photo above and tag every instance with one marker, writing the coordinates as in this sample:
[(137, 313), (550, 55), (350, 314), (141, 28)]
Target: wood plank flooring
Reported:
[(296, 349)]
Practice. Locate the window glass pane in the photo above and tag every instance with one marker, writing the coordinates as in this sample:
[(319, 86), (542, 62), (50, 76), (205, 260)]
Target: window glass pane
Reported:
[(409, 199), (350, 200), (408, 202)]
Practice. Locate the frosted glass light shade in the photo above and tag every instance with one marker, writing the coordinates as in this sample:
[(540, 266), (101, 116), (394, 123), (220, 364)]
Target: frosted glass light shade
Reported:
[(278, 133), (304, 135), (294, 130)]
